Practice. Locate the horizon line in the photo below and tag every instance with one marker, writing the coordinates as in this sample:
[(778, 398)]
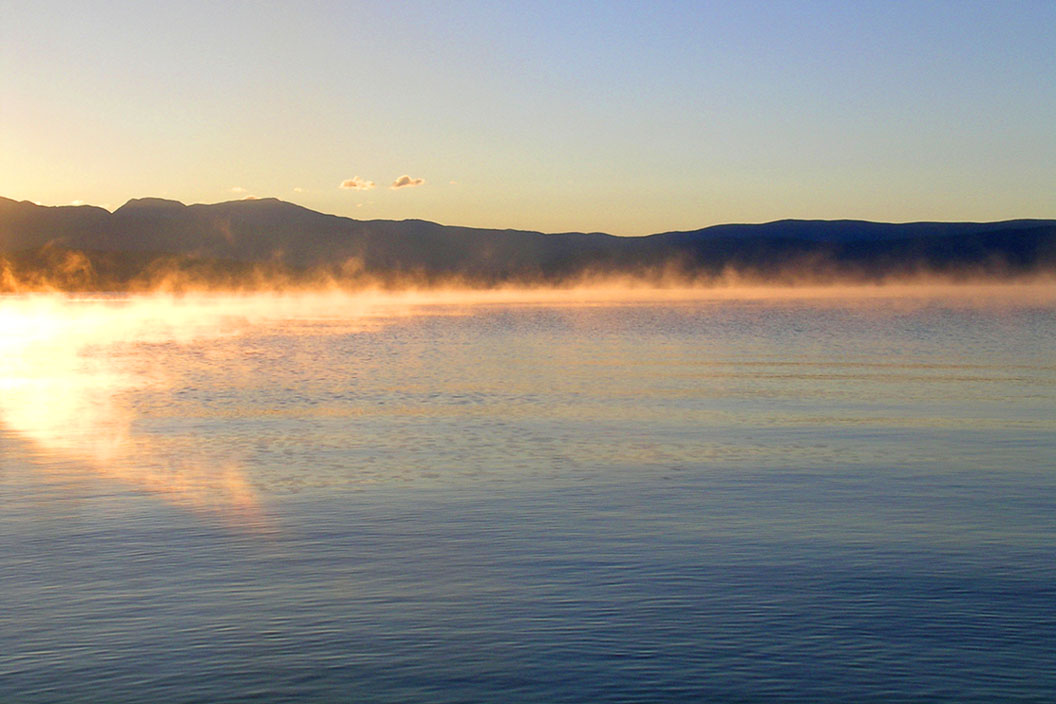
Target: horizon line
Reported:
[(252, 199)]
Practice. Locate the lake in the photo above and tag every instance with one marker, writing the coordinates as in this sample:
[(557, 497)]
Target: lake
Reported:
[(563, 496)]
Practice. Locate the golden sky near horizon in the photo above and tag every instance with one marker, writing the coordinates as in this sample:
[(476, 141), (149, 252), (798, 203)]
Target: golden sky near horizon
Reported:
[(616, 117)]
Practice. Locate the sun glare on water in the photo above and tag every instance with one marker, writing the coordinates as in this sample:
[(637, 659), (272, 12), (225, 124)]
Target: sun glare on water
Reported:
[(71, 366)]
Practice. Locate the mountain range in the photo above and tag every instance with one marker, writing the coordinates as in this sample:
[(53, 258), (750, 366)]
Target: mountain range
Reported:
[(241, 241)]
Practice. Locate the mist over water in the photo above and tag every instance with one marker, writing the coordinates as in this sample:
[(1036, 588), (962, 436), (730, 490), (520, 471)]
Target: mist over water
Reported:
[(586, 494)]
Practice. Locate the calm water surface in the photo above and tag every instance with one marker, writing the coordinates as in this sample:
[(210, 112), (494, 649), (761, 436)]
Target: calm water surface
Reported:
[(696, 500)]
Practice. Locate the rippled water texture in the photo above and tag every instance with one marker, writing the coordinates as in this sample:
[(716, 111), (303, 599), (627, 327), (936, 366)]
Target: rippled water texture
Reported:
[(547, 497)]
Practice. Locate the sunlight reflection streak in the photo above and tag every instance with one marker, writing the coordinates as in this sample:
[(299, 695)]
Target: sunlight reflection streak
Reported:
[(68, 372)]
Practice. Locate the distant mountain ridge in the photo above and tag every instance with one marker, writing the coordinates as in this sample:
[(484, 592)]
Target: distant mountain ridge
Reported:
[(238, 236)]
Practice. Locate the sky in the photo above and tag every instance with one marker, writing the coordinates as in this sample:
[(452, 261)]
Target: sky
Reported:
[(622, 117)]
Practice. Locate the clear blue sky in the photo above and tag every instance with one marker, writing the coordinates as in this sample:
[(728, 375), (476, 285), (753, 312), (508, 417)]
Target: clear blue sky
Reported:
[(622, 117)]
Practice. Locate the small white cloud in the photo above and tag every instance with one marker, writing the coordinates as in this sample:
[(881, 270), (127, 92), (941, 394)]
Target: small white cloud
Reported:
[(298, 189), (406, 181), (77, 202), (356, 184), (238, 189)]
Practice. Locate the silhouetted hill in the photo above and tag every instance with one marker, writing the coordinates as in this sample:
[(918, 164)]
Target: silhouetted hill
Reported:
[(228, 240), (852, 230)]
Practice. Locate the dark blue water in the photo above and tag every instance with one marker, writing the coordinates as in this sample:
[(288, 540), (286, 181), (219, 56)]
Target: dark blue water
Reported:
[(638, 503)]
